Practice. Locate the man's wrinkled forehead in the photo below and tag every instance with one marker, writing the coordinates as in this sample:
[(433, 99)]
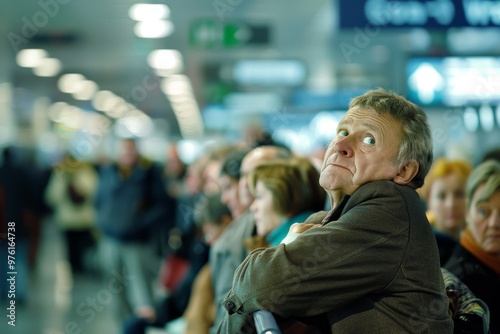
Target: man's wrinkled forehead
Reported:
[(354, 117)]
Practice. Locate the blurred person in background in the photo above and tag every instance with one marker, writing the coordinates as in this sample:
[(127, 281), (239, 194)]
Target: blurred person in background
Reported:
[(174, 172), (185, 252), (444, 194), (15, 211), (70, 193), (211, 217), (131, 207), (229, 250), (38, 178), (476, 261), (285, 193), (200, 181), (492, 155)]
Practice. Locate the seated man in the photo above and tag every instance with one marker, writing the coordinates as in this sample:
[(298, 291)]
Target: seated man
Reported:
[(372, 266)]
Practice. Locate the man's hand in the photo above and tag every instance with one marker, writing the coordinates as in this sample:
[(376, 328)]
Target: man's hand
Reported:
[(296, 230), (146, 312), (299, 228)]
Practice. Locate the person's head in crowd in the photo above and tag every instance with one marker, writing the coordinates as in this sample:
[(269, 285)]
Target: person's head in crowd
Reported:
[(282, 190), (257, 156), (212, 216), (7, 155), (382, 136), (174, 167), (444, 194), (483, 207), (128, 153), (229, 179), (193, 180), (492, 155), (215, 159)]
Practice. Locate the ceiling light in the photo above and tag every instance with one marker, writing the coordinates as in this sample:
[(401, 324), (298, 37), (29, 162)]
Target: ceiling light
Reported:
[(153, 29), (30, 57), (119, 110), (471, 120), (56, 109), (176, 84), (486, 117), (48, 67), (86, 90), (136, 123), (100, 97), (71, 117), (145, 12), (165, 61), (70, 82), (110, 103)]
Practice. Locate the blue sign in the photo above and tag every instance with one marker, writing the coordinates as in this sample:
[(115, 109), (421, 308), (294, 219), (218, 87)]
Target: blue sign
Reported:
[(453, 81), (419, 13)]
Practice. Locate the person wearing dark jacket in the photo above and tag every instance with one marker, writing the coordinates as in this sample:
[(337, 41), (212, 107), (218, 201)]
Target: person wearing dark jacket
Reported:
[(372, 265), (476, 260), (15, 211), (131, 206)]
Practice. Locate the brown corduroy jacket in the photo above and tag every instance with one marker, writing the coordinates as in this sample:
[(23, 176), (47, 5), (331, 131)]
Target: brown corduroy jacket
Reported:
[(373, 267)]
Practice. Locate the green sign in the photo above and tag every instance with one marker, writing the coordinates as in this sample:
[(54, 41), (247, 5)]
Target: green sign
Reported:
[(211, 33)]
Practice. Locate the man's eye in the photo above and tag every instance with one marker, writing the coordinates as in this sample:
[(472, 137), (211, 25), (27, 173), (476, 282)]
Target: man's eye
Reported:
[(369, 140), (342, 133)]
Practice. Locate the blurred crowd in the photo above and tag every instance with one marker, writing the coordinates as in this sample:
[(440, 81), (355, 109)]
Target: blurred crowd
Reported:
[(181, 230)]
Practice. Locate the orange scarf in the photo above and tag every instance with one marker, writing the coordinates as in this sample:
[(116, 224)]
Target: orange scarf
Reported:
[(469, 243)]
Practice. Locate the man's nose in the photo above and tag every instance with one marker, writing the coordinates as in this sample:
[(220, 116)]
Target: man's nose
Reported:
[(343, 146)]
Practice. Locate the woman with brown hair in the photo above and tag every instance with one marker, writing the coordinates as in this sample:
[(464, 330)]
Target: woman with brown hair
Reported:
[(285, 193)]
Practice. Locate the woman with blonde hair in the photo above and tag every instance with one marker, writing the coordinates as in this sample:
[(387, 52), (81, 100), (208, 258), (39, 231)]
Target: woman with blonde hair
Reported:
[(444, 194)]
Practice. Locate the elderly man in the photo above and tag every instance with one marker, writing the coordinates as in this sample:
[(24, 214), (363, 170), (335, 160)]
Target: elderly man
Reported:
[(372, 266)]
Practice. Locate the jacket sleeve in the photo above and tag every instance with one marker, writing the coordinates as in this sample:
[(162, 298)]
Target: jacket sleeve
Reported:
[(327, 267)]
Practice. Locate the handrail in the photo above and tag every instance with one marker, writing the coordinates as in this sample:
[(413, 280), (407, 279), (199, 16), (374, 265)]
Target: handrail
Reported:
[(265, 323)]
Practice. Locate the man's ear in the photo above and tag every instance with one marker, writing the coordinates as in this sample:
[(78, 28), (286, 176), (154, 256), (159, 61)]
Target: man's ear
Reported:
[(406, 173)]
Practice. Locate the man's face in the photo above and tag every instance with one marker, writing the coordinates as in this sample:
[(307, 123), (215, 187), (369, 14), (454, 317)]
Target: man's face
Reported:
[(211, 177), (362, 151), (128, 154)]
